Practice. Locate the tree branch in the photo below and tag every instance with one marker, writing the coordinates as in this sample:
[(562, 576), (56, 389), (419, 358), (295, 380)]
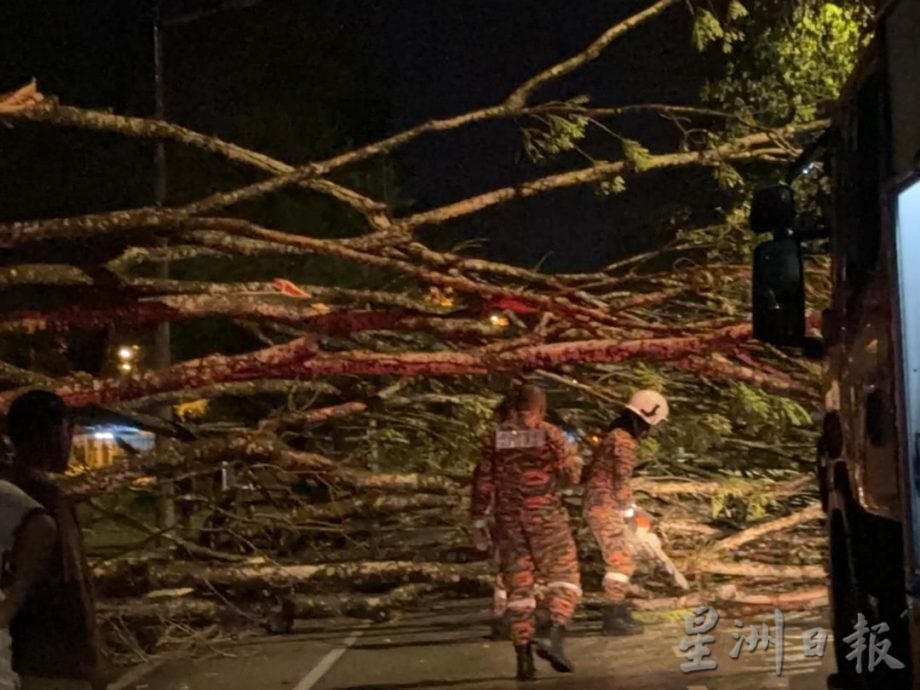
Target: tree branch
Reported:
[(42, 274), (519, 96), (300, 358)]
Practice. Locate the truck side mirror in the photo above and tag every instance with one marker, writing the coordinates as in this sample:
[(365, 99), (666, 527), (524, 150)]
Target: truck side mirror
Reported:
[(778, 294), (772, 209)]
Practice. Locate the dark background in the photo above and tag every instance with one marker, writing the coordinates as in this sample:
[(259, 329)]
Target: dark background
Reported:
[(302, 80)]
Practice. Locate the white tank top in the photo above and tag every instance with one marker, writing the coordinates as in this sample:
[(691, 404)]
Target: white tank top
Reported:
[(15, 506)]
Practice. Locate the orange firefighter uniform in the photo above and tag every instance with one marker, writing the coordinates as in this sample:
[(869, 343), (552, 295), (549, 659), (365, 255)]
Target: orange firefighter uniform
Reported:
[(608, 495), (500, 591), (519, 474)]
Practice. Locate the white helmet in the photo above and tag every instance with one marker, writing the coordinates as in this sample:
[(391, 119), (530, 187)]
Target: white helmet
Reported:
[(650, 405)]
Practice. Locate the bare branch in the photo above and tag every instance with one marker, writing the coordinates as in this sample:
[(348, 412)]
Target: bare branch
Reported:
[(812, 512), (42, 274), (744, 148), (22, 99), (242, 389), (519, 97)]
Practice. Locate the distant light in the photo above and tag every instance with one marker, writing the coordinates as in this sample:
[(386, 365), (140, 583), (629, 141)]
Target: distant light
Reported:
[(812, 167), (125, 367), (125, 352), (498, 320), (104, 435)]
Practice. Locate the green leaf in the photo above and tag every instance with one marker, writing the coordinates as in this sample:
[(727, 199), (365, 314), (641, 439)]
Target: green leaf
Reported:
[(736, 10), (649, 378), (648, 448), (637, 154), (706, 30), (616, 185), (554, 134), (727, 176)]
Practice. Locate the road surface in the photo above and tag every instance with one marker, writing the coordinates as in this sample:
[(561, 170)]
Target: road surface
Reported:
[(447, 648)]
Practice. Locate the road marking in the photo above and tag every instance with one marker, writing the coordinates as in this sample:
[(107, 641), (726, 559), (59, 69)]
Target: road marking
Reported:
[(131, 678), (326, 663)]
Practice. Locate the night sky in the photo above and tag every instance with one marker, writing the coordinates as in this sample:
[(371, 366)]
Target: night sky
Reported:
[(406, 61)]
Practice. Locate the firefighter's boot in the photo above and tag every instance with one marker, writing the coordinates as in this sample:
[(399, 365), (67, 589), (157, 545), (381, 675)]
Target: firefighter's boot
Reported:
[(618, 621), (525, 669), (552, 649)]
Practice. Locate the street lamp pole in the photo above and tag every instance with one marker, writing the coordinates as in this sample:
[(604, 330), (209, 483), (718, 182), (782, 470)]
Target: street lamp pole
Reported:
[(162, 350), (162, 354)]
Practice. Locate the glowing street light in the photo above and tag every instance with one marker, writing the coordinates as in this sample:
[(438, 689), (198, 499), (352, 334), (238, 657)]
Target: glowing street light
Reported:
[(127, 356)]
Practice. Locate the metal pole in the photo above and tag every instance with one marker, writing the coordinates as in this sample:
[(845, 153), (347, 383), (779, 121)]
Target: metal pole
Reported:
[(162, 355)]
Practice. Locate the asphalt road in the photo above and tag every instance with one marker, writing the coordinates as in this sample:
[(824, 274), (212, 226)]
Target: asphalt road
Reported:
[(447, 648)]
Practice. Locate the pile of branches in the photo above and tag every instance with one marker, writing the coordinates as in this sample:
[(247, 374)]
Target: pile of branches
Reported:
[(307, 540)]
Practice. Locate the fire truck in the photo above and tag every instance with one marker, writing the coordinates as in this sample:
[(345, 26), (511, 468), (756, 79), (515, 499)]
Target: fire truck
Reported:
[(868, 462)]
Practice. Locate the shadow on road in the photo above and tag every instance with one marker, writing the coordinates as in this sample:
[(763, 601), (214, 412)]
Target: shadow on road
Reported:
[(649, 681)]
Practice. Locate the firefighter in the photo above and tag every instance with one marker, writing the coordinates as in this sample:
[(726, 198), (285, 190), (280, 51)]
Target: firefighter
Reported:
[(608, 502), (499, 624), (520, 468)]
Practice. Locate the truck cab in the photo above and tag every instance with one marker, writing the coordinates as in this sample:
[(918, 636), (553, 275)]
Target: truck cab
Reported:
[(868, 462)]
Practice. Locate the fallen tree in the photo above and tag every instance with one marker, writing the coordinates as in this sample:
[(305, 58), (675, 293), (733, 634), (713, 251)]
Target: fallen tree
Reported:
[(342, 404)]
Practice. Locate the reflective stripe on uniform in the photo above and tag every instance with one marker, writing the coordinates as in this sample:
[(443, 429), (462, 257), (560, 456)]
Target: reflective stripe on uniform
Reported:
[(616, 577), (522, 604), (565, 585), (506, 439)]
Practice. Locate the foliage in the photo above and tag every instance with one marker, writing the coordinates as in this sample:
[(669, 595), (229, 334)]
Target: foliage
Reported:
[(553, 135), (789, 70), (639, 156), (647, 376), (615, 185), (709, 29), (649, 449), (740, 499), (764, 416)]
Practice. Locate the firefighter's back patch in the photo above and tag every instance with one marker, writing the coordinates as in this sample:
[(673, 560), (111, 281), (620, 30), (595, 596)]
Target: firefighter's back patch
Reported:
[(506, 439)]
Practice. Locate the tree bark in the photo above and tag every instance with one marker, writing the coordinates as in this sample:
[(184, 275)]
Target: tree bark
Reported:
[(762, 571), (812, 512), (729, 596), (246, 580), (301, 357)]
